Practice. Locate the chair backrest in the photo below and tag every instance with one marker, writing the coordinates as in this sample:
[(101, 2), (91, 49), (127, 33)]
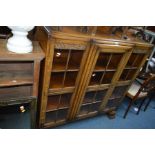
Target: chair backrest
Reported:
[(148, 86)]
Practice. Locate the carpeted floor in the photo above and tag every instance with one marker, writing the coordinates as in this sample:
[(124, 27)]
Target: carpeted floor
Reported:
[(145, 120)]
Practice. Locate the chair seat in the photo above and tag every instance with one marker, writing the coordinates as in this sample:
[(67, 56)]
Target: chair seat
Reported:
[(134, 89)]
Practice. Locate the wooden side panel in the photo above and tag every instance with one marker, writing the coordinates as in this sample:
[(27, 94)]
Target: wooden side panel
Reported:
[(36, 77), (46, 79)]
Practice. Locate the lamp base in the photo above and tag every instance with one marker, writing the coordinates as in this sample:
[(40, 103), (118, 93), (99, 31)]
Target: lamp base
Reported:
[(19, 43)]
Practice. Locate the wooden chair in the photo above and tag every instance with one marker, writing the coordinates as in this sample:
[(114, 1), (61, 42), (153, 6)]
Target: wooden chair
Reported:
[(141, 91)]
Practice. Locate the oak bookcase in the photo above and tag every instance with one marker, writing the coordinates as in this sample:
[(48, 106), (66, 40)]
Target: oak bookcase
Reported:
[(84, 74)]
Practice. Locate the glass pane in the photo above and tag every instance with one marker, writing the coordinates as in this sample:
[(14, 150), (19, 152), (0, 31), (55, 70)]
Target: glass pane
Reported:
[(113, 103), (84, 109), (62, 114), (130, 74), (60, 59), (108, 77), (70, 79), (115, 60), (96, 78), (100, 95), (102, 61), (50, 116), (124, 75), (127, 74), (53, 102), (119, 91), (94, 107), (75, 59), (135, 60), (89, 96), (65, 100), (139, 60), (57, 80)]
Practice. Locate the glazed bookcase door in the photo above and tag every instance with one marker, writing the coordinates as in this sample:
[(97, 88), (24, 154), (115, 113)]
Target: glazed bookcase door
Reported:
[(103, 77), (130, 72), (105, 66), (134, 64), (66, 64)]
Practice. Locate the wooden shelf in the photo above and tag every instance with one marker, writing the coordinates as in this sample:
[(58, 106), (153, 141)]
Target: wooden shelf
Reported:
[(101, 69), (68, 70), (130, 67), (60, 90), (58, 67), (96, 87), (16, 81)]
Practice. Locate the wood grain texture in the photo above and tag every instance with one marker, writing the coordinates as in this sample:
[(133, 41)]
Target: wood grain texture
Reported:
[(19, 77), (94, 46)]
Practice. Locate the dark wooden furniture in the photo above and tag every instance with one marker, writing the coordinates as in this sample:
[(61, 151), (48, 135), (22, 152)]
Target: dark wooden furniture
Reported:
[(22, 101), (19, 77), (85, 72), (5, 32), (142, 91)]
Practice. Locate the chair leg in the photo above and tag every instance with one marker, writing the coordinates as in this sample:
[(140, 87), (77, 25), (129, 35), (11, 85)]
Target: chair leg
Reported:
[(148, 103), (140, 106), (127, 110)]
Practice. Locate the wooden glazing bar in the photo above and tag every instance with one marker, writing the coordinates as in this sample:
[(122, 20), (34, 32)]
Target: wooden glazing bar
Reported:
[(66, 68), (83, 81)]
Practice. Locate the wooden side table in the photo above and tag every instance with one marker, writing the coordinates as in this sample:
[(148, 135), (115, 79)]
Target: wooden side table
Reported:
[(19, 77)]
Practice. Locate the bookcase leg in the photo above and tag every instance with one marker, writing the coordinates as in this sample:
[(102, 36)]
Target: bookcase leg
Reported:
[(111, 114)]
